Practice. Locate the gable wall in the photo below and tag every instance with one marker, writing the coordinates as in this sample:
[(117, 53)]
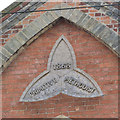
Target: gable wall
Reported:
[(97, 14), (91, 56)]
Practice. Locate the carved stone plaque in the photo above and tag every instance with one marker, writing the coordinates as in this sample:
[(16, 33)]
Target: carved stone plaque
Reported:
[(61, 76)]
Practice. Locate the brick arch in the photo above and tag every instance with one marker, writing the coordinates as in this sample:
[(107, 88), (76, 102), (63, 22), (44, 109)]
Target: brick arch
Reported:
[(100, 64), (18, 43)]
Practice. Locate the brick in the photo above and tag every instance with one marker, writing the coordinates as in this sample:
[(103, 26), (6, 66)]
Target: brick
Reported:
[(17, 27), (4, 36), (82, 3), (106, 22), (117, 25), (110, 26), (93, 10), (115, 30), (97, 14), (11, 35), (92, 56), (8, 32), (24, 4), (16, 9), (5, 17), (105, 18), (103, 14), (92, 14), (86, 11), (114, 21), (15, 31)]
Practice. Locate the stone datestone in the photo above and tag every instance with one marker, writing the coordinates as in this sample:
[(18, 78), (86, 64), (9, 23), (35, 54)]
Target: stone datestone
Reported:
[(61, 76)]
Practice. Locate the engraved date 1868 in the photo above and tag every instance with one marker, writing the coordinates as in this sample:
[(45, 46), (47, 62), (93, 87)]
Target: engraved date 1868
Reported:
[(61, 66)]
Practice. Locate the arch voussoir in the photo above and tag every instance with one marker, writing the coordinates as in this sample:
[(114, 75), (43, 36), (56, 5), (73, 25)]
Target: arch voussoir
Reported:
[(80, 19)]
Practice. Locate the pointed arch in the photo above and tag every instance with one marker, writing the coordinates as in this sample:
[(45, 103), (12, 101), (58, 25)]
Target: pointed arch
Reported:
[(22, 39), (62, 38)]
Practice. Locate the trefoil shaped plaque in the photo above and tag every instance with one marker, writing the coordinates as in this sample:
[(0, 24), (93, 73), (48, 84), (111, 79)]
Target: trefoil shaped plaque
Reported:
[(61, 76)]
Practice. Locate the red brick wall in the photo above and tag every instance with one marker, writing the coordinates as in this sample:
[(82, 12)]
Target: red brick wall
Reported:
[(91, 55), (96, 14)]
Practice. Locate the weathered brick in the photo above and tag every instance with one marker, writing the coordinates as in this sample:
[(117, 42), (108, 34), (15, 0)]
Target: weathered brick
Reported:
[(5, 17), (33, 60), (110, 26), (81, 3), (17, 27), (4, 36), (8, 32), (97, 14), (85, 11), (92, 56)]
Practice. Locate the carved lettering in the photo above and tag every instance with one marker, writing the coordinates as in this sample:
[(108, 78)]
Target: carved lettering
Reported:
[(62, 66), (73, 81), (43, 87), (61, 63)]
